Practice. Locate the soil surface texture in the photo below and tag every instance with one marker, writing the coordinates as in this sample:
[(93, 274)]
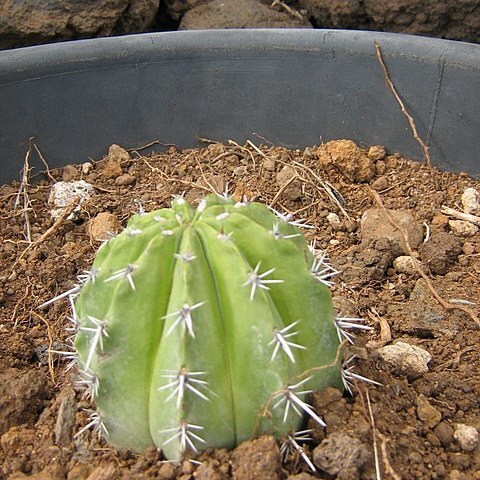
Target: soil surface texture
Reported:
[(408, 266)]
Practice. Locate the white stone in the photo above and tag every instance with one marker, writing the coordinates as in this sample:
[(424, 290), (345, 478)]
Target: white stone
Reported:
[(471, 201), (404, 358), (466, 436), (462, 228), (87, 167), (404, 264), (63, 194), (334, 220)]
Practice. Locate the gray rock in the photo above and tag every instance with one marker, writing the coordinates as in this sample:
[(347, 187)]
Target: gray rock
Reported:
[(28, 22), (375, 225), (238, 14), (65, 422), (367, 262), (341, 455), (285, 176), (471, 201), (426, 314), (41, 352)]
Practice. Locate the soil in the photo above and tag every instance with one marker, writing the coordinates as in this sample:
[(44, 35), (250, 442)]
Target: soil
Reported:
[(407, 427)]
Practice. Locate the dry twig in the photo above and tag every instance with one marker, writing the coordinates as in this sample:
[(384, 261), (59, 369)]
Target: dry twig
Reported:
[(327, 188), (467, 217), (47, 169), (388, 466), (385, 331), (67, 211), (287, 8), (23, 194), (50, 345), (402, 106), (281, 190), (374, 434)]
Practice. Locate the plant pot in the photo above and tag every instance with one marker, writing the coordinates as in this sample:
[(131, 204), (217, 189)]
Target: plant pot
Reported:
[(289, 87)]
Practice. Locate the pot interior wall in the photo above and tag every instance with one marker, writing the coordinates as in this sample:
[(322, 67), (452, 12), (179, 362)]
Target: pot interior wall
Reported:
[(291, 87)]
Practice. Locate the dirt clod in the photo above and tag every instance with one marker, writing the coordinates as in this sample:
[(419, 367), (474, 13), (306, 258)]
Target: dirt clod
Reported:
[(22, 395), (342, 455), (440, 252), (259, 458), (344, 155)]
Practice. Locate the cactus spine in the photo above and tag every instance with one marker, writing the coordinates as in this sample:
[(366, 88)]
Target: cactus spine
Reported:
[(200, 328)]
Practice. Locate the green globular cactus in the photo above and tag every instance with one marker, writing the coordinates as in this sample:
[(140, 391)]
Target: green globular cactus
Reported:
[(204, 327)]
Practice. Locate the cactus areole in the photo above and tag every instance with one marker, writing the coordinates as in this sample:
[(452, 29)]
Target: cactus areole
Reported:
[(204, 327)]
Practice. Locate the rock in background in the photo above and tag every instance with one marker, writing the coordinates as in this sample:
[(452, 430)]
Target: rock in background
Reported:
[(239, 14), (29, 22), (455, 20)]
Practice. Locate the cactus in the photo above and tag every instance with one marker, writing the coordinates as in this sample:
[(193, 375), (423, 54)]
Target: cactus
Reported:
[(201, 328)]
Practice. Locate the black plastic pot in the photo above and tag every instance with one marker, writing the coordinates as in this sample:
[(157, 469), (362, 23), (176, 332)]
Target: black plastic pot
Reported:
[(291, 87)]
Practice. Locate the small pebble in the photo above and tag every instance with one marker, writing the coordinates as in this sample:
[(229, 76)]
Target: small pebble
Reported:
[(404, 264), (125, 179), (444, 433), (87, 167), (376, 152), (269, 164), (65, 418), (103, 226), (427, 413), (381, 183), (69, 173), (471, 201), (334, 220), (466, 436)]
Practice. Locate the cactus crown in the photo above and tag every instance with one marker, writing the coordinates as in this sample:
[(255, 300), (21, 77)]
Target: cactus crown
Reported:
[(200, 328)]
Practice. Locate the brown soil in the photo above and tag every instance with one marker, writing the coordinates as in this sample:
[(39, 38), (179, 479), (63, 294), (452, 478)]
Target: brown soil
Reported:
[(414, 416)]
